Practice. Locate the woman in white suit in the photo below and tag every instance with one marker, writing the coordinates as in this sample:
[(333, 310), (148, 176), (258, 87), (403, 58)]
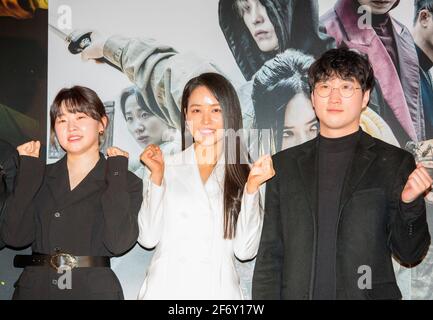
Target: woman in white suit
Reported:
[(201, 208)]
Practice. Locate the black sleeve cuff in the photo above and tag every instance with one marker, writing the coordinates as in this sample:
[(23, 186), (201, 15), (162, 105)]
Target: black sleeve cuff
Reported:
[(412, 210)]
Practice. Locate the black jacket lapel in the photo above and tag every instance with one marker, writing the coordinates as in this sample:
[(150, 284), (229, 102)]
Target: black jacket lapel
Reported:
[(362, 159), (58, 183), (307, 164)]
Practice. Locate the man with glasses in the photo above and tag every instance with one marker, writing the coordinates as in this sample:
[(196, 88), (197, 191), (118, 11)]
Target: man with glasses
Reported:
[(343, 203)]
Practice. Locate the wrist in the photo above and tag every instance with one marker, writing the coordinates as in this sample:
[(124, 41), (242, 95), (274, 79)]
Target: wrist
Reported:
[(156, 178), (252, 187)]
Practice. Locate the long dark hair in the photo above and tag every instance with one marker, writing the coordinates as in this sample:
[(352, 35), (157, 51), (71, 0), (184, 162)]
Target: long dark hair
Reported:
[(236, 159), (274, 85)]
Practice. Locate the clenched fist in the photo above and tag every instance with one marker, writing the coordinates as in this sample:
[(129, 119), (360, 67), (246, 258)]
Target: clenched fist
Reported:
[(261, 171), (153, 159), (417, 184), (30, 149), (114, 151)]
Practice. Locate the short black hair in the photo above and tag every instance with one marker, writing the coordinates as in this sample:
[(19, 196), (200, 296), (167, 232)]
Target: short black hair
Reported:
[(77, 99), (239, 6), (344, 63), (421, 5)]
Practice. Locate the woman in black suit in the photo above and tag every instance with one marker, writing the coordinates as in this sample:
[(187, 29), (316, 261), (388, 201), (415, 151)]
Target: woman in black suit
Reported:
[(77, 212), (8, 169)]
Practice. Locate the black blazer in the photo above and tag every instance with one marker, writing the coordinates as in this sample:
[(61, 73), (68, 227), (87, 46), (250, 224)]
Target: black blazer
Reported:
[(373, 224), (8, 170), (97, 218)]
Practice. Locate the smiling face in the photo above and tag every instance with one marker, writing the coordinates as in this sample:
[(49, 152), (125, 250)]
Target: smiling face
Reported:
[(144, 127), (339, 116), (78, 133), (257, 21), (378, 6), (204, 117), (300, 122)]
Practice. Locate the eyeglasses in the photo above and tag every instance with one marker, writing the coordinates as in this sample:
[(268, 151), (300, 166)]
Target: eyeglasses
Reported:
[(346, 90)]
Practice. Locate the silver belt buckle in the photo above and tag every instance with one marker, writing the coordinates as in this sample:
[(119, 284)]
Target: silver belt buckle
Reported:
[(61, 259)]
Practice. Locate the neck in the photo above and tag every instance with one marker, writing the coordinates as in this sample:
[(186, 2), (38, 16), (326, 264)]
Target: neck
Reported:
[(337, 133), (208, 155), (82, 161), (423, 45), (379, 19)]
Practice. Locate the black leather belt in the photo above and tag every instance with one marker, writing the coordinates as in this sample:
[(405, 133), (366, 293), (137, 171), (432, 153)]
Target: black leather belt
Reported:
[(60, 260)]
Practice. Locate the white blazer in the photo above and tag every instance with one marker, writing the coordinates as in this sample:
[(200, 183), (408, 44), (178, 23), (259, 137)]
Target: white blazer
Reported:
[(184, 219)]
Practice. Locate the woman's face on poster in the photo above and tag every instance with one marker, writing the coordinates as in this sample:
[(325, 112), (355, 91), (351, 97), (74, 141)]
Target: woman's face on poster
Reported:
[(378, 6), (144, 127), (258, 23), (300, 122)]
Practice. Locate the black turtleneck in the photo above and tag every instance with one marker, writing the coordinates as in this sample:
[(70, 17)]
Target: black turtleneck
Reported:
[(424, 61), (335, 154), (383, 26)]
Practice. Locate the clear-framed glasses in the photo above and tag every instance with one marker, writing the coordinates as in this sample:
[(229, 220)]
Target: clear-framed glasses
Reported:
[(346, 90)]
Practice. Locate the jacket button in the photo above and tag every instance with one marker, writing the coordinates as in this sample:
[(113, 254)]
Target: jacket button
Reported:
[(411, 229), (54, 282), (57, 214)]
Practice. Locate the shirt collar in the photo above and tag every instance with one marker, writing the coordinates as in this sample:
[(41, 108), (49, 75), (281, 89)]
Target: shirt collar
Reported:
[(424, 61)]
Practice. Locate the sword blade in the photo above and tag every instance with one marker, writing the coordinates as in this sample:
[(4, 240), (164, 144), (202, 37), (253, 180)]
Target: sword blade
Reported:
[(65, 37)]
